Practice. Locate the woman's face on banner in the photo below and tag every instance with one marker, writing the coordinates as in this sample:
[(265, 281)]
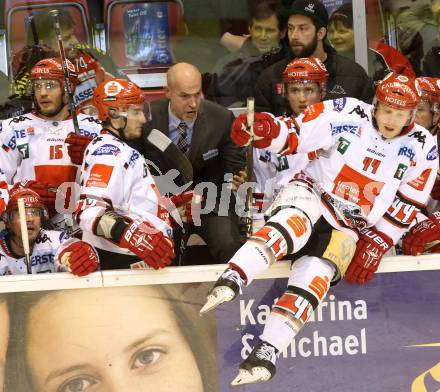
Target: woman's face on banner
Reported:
[(123, 339)]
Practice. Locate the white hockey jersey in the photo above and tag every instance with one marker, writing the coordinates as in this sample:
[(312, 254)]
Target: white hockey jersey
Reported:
[(33, 149), (116, 177), (362, 179), (48, 245)]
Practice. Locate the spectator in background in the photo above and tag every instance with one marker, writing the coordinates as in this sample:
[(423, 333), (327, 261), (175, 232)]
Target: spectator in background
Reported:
[(201, 130), (236, 74), (307, 22), (91, 64), (340, 30), (431, 62), (382, 58)]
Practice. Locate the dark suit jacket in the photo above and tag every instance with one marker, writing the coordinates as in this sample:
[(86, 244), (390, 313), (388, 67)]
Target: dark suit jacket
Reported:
[(212, 152)]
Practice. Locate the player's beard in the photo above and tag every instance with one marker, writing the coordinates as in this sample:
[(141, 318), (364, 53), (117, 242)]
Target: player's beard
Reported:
[(305, 50)]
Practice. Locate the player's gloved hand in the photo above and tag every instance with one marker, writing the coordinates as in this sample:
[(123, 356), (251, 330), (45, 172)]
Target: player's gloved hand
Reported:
[(76, 146), (435, 193), (370, 248), (183, 202), (47, 192), (266, 128), (150, 245), (423, 232), (80, 258)]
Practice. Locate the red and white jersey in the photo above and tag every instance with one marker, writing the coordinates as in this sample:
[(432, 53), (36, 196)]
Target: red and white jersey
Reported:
[(90, 74), (383, 182), (45, 254), (33, 148), (116, 177)]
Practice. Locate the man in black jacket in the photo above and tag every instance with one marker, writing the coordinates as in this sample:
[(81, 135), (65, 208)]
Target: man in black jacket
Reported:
[(306, 30), (201, 130)]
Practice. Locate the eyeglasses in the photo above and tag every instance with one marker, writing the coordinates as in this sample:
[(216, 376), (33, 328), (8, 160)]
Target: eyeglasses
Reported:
[(48, 85)]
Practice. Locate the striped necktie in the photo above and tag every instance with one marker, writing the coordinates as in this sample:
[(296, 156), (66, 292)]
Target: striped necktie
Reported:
[(183, 142)]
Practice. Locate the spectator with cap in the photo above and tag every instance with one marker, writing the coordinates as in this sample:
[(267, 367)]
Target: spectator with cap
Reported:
[(307, 22)]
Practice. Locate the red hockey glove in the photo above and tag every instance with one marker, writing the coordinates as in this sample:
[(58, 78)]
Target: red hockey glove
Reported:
[(183, 202), (47, 192), (266, 128), (435, 193), (150, 245), (372, 245), (423, 232), (76, 146), (80, 258)]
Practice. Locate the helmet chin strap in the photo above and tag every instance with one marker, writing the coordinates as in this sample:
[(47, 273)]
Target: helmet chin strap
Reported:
[(120, 129)]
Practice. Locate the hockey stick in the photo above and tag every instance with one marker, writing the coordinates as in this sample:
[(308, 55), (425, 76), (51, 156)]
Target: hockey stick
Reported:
[(67, 86), (164, 144), (24, 235), (250, 110)]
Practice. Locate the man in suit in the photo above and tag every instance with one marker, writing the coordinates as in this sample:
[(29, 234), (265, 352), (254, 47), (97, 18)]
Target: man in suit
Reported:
[(200, 129)]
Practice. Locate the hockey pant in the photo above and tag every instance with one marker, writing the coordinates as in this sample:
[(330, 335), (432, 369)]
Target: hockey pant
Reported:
[(296, 224)]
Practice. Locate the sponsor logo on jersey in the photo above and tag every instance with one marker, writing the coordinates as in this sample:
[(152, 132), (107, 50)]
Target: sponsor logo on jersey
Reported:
[(400, 171), (379, 154), (12, 143), (24, 150), (338, 128), (99, 175), (42, 238), (42, 259), (265, 156), (339, 104), (419, 136), (343, 145), (360, 112), (86, 132), (107, 149), (420, 182), (20, 133), (30, 131), (407, 152), (432, 154), (133, 158)]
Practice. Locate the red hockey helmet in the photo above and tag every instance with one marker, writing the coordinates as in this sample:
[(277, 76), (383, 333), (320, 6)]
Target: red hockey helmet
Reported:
[(116, 94), (398, 92), (430, 88), (306, 70), (31, 200), (53, 69)]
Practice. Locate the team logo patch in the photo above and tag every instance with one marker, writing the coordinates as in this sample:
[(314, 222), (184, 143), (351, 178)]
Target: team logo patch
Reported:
[(107, 149), (113, 88), (432, 154), (339, 104)]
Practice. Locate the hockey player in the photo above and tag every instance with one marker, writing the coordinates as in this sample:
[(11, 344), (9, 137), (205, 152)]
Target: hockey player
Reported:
[(304, 84), (428, 111), (119, 211), (374, 171), (33, 152), (51, 251)]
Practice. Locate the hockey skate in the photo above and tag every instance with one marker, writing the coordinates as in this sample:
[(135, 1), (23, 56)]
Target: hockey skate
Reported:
[(227, 287), (259, 366)]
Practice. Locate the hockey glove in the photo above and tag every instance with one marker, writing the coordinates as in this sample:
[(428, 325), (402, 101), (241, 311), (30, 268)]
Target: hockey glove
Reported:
[(423, 232), (76, 146), (184, 202), (47, 192), (150, 245), (435, 193), (266, 128), (370, 248), (80, 258)]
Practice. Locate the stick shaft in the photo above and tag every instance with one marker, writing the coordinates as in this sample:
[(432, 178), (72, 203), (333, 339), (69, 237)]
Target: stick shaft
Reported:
[(250, 112), (67, 86), (24, 234)]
